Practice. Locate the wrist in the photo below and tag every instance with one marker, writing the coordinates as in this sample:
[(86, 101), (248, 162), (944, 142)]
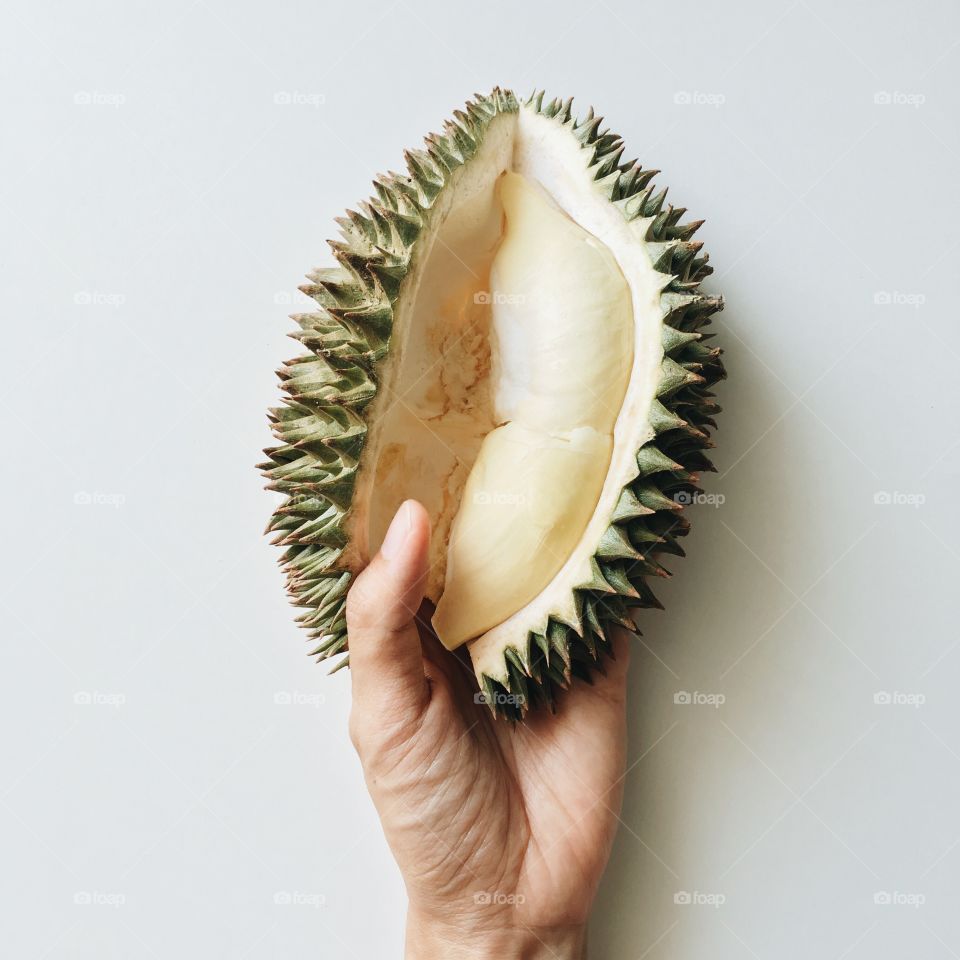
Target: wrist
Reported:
[(431, 939)]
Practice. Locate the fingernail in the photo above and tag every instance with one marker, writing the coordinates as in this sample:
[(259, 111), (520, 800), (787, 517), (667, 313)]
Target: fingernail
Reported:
[(397, 532)]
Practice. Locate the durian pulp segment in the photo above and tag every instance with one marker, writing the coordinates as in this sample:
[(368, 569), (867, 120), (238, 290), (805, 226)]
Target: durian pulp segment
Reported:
[(438, 409), (561, 346)]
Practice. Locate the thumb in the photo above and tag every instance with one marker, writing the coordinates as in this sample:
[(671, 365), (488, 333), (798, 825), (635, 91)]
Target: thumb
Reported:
[(386, 660)]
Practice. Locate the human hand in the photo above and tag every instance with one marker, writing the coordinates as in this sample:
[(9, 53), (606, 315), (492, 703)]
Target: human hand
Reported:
[(501, 832)]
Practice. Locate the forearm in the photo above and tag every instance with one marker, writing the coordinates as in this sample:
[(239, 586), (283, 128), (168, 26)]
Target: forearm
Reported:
[(430, 940)]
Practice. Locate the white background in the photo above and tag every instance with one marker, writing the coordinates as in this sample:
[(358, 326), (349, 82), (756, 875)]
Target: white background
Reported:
[(160, 206)]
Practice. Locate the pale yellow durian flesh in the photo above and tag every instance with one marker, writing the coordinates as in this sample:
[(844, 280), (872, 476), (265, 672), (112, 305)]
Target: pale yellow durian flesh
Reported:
[(561, 350)]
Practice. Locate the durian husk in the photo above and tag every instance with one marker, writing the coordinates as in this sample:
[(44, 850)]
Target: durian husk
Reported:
[(321, 428)]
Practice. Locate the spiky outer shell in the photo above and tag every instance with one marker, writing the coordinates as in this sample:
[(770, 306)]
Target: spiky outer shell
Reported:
[(321, 427)]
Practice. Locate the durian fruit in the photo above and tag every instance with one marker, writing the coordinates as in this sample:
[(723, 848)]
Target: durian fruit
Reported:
[(512, 335)]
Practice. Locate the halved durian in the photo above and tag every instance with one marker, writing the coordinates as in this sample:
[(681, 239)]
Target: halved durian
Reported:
[(511, 337)]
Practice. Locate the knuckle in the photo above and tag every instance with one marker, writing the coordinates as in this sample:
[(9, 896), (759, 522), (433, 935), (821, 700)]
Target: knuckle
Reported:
[(354, 728), (382, 741), (361, 602)]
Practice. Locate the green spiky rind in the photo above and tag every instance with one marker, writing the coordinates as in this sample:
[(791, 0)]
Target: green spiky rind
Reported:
[(322, 431), (647, 521), (321, 428)]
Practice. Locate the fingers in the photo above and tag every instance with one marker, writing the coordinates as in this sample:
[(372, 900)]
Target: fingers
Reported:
[(605, 697), (610, 680), (386, 661), (617, 667)]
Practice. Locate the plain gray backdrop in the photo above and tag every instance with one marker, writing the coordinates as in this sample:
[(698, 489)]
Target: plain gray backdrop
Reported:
[(175, 775)]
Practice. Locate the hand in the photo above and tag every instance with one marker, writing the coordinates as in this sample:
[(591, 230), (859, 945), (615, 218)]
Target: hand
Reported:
[(501, 832)]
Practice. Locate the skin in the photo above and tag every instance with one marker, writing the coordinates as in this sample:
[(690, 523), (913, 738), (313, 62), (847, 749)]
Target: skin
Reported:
[(501, 832)]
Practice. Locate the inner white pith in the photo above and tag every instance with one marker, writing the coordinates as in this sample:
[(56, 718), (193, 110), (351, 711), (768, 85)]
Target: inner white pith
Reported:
[(521, 374)]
